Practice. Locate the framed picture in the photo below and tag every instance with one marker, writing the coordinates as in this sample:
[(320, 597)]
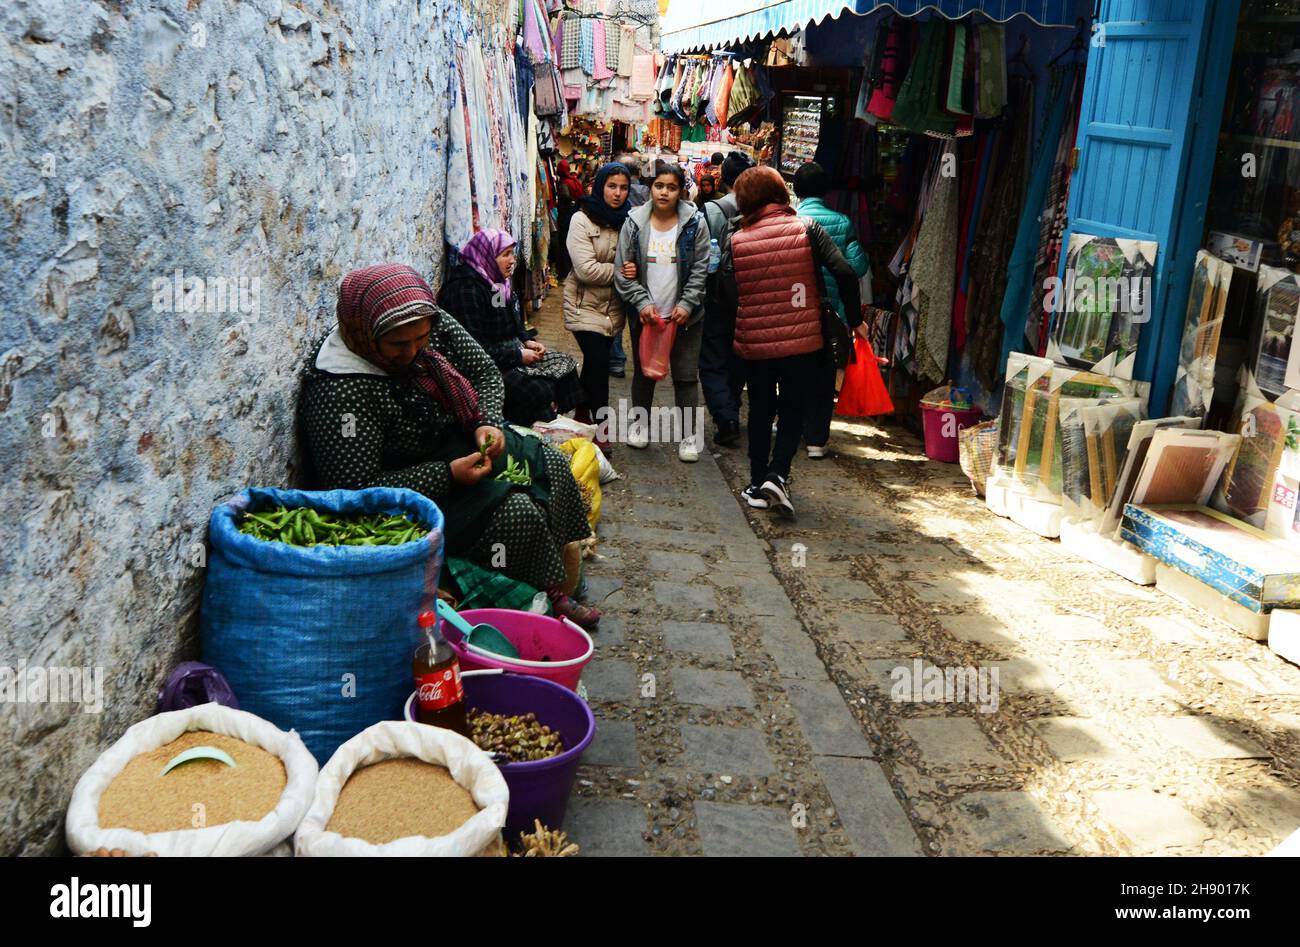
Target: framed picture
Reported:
[(1276, 361), (1194, 381), (1105, 299)]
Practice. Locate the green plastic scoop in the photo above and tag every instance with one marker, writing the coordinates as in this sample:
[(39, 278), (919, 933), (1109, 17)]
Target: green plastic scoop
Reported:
[(198, 753), (482, 636)]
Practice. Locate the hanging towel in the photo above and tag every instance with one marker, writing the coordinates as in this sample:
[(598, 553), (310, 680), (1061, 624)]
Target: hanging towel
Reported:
[(643, 77), (932, 274), (458, 222), (991, 72), (600, 58)]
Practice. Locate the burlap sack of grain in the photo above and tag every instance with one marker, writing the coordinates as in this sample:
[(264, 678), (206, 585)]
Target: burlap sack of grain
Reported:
[(228, 839)]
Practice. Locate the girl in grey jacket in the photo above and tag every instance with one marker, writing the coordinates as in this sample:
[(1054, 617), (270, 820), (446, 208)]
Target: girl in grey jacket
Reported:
[(660, 271)]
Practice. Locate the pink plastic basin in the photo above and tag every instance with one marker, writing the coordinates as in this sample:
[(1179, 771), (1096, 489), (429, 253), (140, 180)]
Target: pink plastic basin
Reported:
[(548, 647), (941, 428)]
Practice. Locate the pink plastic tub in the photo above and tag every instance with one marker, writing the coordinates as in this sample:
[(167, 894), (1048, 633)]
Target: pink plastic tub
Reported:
[(548, 647), (941, 427)]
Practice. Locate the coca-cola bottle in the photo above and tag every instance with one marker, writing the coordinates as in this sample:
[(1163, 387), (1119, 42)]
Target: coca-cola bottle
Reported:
[(439, 694)]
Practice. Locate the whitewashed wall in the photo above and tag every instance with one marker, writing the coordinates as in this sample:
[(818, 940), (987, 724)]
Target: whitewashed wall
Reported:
[(259, 139)]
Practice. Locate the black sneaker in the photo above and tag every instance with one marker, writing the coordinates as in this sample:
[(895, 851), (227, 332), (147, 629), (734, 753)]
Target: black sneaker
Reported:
[(727, 434), (777, 491), (618, 371), (753, 495)]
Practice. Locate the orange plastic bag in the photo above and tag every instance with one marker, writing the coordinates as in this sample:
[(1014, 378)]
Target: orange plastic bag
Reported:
[(863, 394), (656, 345)]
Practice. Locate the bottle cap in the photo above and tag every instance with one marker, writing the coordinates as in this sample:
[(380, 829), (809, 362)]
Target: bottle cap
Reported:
[(428, 619)]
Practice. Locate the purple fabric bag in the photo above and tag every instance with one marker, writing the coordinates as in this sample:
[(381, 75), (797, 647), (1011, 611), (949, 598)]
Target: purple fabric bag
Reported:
[(192, 683)]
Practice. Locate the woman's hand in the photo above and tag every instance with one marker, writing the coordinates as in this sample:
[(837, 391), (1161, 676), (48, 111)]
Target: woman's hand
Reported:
[(863, 330), (498, 440), (649, 314), (535, 346), (629, 270), (679, 315), (529, 355), (467, 471)]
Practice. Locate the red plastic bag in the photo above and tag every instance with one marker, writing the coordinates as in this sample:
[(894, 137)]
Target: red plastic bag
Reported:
[(655, 346), (863, 394)]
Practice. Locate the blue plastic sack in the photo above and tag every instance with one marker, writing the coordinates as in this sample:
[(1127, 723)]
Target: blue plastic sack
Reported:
[(319, 639)]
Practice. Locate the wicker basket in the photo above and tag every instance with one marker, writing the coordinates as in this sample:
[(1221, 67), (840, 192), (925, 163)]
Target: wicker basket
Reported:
[(976, 445)]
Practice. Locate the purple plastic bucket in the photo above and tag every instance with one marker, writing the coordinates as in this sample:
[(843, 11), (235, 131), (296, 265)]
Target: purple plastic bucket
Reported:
[(942, 425), (551, 648), (538, 790)]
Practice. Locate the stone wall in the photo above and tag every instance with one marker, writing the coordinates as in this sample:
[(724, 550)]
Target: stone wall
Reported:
[(270, 144)]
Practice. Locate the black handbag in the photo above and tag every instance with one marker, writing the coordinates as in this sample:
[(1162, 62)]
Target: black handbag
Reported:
[(836, 335)]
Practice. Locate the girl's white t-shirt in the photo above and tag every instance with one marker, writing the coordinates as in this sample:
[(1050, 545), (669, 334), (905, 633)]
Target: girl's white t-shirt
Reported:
[(661, 268)]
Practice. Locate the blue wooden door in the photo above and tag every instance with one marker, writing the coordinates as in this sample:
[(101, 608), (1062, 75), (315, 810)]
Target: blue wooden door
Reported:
[(1152, 100)]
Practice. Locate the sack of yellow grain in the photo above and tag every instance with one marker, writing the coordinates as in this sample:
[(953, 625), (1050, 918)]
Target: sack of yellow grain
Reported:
[(585, 464), (203, 807), (405, 789)]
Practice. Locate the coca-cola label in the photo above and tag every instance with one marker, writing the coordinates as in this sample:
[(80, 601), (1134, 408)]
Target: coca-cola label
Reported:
[(440, 689)]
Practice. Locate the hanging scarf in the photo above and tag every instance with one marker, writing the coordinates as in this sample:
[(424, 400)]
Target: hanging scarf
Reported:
[(378, 299), (481, 254), (932, 273), (594, 206)]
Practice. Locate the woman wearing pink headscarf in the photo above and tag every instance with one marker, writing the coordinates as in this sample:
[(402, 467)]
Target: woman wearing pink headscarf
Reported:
[(477, 292)]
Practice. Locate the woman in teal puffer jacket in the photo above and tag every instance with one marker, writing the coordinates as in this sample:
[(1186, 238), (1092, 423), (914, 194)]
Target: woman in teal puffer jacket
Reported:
[(811, 183)]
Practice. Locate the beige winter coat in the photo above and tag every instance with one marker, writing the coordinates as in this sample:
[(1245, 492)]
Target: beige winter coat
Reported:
[(590, 303)]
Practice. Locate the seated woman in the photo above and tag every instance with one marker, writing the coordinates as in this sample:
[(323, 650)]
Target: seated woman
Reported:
[(399, 395), (477, 291)]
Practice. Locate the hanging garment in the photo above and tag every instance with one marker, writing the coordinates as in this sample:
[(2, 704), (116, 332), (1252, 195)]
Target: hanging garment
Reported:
[(991, 71), (932, 274), (871, 58), (575, 83), (962, 314), (569, 41), (1053, 218), (722, 103), (626, 51), (917, 108), (744, 93), (956, 92), (1020, 268), (891, 67), (600, 68), (996, 236), (613, 37), (587, 45), (458, 222), (533, 31), (546, 91)]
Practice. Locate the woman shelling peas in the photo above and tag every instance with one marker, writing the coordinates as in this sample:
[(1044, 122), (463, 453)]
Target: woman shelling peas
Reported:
[(399, 395)]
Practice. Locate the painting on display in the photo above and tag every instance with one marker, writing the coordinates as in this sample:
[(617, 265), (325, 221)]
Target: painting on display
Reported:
[(1194, 382), (1103, 303), (1277, 361)]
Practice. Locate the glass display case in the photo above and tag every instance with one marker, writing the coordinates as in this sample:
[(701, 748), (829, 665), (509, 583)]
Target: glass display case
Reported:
[(801, 122)]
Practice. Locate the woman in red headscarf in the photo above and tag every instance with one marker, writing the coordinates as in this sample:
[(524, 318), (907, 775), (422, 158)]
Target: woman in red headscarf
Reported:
[(398, 394)]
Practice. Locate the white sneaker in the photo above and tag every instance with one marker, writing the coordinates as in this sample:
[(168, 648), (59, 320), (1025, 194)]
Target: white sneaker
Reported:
[(688, 451), (815, 452), (637, 437)]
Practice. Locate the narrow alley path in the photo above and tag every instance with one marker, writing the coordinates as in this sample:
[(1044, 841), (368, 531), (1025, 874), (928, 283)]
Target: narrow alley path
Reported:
[(743, 677)]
